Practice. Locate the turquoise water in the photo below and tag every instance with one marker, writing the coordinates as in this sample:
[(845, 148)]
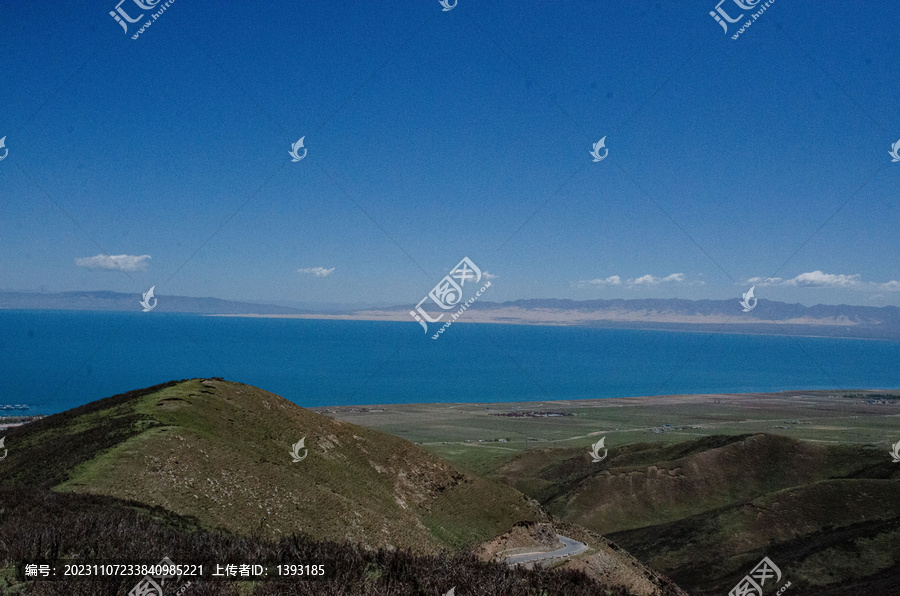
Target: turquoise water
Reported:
[(55, 360)]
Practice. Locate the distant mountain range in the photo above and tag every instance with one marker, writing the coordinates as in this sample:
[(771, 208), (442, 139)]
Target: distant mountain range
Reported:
[(768, 317), (727, 316), (118, 301)]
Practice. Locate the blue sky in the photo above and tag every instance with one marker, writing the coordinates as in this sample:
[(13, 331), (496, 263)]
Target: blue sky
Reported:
[(434, 135)]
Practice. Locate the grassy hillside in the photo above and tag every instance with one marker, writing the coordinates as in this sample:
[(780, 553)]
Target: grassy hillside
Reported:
[(831, 537), (219, 452), (705, 511), (648, 484)]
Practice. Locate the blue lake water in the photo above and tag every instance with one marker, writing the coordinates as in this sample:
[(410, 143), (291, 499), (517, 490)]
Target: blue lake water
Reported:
[(55, 360)]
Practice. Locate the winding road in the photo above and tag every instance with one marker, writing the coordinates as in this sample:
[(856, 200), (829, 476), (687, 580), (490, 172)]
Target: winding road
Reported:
[(570, 548)]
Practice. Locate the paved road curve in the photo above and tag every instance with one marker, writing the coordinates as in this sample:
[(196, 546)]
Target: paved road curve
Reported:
[(570, 548)]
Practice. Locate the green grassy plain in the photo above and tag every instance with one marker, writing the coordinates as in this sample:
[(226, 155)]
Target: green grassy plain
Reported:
[(453, 431)]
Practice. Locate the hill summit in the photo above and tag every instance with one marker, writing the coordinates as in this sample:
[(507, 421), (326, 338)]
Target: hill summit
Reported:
[(220, 452)]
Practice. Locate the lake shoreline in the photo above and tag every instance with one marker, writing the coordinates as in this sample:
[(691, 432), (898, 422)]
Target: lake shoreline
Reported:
[(599, 324)]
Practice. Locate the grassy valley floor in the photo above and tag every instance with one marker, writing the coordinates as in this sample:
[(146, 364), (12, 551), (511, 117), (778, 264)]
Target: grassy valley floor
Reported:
[(482, 436)]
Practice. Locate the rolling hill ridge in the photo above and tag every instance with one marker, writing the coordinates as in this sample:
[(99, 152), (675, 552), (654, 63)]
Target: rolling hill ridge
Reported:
[(220, 452), (704, 511), (205, 466)]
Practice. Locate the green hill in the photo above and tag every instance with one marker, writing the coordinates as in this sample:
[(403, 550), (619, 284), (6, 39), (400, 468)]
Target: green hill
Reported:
[(705, 511), (219, 452), (831, 537)]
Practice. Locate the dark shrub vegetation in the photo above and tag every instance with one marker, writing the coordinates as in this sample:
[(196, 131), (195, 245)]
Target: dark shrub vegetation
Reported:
[(37, 525)]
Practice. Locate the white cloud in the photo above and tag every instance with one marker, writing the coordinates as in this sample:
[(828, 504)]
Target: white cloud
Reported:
[(115, 262), (487, 275), (818, 279), (649, 280), (764, 281), (644, 280), (317, 271), (612, 280)]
